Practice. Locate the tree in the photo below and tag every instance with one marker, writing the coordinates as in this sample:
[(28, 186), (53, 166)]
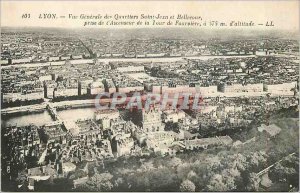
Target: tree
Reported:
[(253, 182), (216, 184), (119, 183), (163, 179), (192, 175), (100, 182), (187, 186), (219, 183), (174, 162), (106, 186), (139, 181), (240, 162), (282, 173), (257, 158), (147, 166), (229, 181), (234, 172)]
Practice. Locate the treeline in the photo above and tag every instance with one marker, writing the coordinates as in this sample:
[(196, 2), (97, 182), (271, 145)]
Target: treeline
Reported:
[(221, 172)]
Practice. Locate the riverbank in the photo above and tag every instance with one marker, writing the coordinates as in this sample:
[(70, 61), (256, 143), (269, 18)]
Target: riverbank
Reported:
[(107, 60)]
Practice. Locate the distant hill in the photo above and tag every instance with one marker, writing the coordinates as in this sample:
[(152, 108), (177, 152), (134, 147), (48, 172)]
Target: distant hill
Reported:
[(161, 33)]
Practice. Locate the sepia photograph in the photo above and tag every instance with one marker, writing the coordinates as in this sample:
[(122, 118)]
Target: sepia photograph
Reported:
[(150, 96)]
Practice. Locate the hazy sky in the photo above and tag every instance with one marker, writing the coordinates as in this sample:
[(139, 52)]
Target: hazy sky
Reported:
[(284, 14)]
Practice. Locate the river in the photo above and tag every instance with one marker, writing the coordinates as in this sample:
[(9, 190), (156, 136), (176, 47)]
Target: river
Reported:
[(44, 117), (107, 60), (23, 119)]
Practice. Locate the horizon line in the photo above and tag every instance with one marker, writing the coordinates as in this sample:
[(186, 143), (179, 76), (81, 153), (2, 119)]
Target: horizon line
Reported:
[(172, 27)]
